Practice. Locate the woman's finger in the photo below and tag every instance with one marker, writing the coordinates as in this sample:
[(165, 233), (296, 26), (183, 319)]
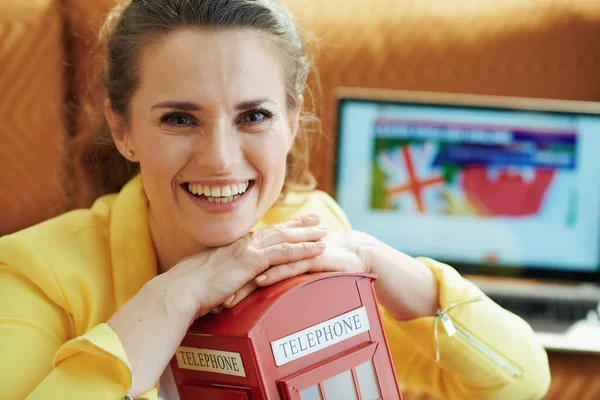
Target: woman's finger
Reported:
[(292, 235), (217, 309), (288, 270), (240, 294), (277, 233), (291, 252)]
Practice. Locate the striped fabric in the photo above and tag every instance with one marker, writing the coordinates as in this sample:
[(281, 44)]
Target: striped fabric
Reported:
[(32, 128), (85, 17)]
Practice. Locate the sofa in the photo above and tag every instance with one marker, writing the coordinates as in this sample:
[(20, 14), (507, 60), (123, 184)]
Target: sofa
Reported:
[(532, 48)]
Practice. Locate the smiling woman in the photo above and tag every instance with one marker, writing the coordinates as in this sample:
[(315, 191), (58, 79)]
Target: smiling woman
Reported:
[(212, 121), (203, 134), (122, 35)]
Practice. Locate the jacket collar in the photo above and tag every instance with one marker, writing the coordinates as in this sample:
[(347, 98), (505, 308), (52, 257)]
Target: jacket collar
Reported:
[(132, 250)]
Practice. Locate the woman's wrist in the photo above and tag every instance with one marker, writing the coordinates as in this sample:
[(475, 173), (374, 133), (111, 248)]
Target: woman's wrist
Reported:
[(406, 286), (149, 321)]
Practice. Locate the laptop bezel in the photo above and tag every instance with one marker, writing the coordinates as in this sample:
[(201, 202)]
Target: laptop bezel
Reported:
[(502, 103)]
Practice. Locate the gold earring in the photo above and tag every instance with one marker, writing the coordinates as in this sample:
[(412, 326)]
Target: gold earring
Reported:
[(130, 153)]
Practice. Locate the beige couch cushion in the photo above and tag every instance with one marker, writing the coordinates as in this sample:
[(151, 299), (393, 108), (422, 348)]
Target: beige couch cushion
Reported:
[(32, 131)]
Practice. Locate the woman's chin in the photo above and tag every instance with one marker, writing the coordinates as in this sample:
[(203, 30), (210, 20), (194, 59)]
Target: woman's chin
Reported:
[(221, 238)]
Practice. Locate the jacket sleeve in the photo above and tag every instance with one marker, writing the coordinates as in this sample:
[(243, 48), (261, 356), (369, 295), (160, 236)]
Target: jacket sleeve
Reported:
[(485, 352), (40, 357)]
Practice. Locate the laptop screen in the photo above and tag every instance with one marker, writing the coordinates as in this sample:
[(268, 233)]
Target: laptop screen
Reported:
[(491, 190)]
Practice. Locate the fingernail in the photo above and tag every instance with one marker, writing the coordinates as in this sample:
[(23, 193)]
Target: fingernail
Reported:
[(261, 278), (321, 245), (314, 216), (229, 301)]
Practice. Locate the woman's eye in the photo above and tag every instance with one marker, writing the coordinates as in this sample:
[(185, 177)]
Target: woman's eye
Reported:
[(253, 117), (177, 120), (256, 116)]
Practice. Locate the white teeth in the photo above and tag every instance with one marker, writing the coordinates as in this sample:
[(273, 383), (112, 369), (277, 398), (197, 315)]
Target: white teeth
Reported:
[(222, 200), (225, 193)]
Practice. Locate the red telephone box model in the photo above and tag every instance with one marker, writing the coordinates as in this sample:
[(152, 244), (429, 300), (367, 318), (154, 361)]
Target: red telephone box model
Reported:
[(312, 337)]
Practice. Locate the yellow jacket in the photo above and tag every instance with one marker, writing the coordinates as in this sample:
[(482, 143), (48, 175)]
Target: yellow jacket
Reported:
[(61, 280)]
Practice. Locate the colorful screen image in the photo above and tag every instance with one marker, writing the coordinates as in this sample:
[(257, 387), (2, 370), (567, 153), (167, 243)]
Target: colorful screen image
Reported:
[(476, 185), (426, 167)]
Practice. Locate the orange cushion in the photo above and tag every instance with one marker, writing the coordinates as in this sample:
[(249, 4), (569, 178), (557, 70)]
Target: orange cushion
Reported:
[(85, 18), (32, 132)]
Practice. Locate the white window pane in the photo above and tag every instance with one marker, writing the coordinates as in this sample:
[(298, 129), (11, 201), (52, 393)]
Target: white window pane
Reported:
[(340, 387), (311, 393), (367, 381)]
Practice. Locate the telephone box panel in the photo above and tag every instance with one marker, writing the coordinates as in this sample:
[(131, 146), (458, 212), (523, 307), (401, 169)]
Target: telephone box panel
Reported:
[(312, 337), (221, 393)]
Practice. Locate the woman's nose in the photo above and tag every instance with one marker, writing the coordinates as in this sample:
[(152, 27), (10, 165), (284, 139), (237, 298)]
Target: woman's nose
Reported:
[(220, 149)]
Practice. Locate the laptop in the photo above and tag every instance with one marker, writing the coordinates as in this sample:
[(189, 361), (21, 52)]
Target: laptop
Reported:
[(506, 190)]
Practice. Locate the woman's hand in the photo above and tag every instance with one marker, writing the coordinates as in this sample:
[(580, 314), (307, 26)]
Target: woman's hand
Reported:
[(152, 324), (406, 287), (344, 252)]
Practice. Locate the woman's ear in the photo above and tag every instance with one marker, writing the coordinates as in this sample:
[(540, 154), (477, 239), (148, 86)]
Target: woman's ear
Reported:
[(295, 121), (118, 130)]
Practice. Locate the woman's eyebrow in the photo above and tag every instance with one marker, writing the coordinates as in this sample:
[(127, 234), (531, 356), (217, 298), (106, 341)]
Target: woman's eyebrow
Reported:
[(190, 106), (248, 105), (180, 105)]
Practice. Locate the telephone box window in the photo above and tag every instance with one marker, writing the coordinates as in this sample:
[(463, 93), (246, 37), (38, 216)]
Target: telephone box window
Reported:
[(367, 381), (340, 387), (311, 393), (360, 382)]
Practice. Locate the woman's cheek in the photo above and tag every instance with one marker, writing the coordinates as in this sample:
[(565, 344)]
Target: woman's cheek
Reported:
[(169, 154), (269, 154)]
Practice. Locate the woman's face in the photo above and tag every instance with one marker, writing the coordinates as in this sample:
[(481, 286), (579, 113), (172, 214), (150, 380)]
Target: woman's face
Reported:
[(211, 131)]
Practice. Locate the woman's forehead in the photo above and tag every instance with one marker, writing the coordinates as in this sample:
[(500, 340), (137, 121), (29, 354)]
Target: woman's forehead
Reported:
[(204, 65)]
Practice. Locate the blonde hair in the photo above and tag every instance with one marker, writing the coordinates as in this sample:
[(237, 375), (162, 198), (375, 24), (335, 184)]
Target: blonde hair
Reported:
[(132, 25)]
